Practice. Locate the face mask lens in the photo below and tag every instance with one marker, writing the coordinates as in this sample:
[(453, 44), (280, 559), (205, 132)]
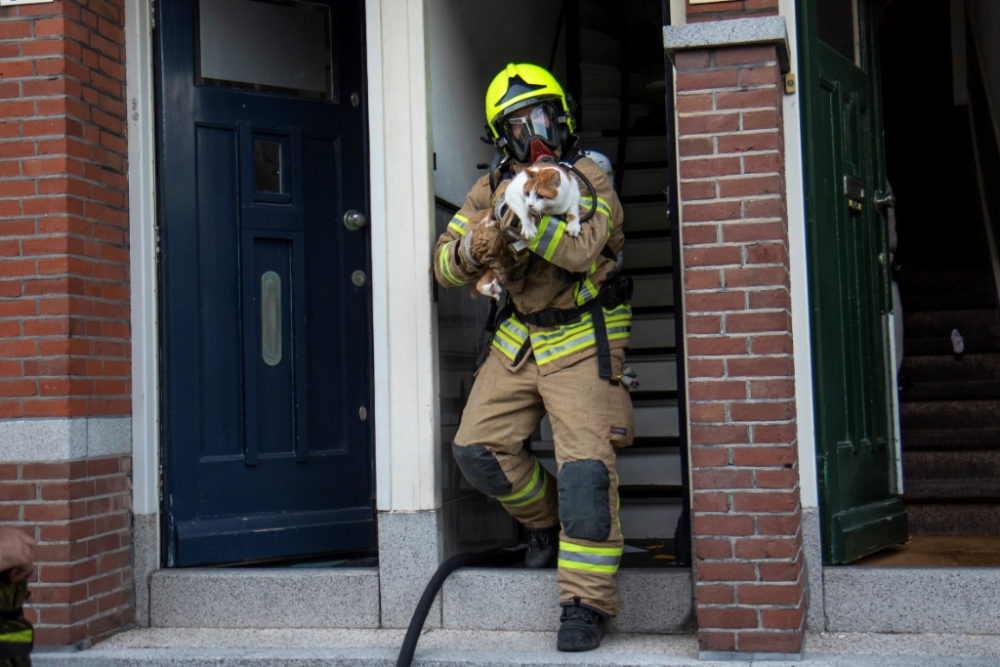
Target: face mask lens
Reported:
[(538, 123)]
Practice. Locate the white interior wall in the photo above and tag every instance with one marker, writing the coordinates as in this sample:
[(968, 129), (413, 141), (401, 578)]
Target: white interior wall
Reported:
[(984, 21), (469, 43)]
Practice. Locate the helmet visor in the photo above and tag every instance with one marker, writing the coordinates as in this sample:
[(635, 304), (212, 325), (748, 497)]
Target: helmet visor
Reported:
[(540, 121)]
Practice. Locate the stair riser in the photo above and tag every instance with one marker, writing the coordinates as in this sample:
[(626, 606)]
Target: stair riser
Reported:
[(950, 414), (635, 467), (951, 439), (927, 283), (601, 48), (653, 291), (603, 115), (649, 253), (637, 149), (952, 391), (969, 322), (953, 519), (650, 331), (600, 81), (952, 367), (958, 465), (918, 347), (646, 217), (645, 182), (947, 302)]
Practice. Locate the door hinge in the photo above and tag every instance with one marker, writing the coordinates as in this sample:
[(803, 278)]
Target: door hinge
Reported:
[(821, 461), (152, 14)]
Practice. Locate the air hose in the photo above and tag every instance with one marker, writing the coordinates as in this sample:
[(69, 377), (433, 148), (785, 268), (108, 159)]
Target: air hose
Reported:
[(498, 557)]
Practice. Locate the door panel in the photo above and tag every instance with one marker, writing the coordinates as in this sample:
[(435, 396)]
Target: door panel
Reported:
[(266, 339), (850, 294)]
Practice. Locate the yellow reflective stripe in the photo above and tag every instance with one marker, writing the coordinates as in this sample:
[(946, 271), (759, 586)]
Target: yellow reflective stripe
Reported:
[(445, 266), (515, 328), (597, 551), (554, 243), (531, 492), (19, 637), (504, 347), (459, 223), (510, 340), (573, 565)]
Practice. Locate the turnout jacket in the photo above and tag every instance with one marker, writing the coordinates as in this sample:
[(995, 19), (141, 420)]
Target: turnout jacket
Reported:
[(567, 272)]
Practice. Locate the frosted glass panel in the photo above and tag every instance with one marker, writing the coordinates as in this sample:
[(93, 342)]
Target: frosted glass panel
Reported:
[(281, 46)]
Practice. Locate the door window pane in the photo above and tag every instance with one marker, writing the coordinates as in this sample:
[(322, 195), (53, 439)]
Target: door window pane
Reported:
[(274, 46), (267, 166), (838, 27)]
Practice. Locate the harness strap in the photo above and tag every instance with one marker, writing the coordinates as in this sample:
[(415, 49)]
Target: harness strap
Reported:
[(615, 291)]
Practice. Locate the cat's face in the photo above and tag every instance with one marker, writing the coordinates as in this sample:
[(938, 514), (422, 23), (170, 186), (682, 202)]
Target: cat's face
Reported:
[(542, 185)]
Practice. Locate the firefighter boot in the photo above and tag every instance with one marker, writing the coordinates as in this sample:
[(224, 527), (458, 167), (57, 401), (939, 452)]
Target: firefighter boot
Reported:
[(543, 547), (581, 628)]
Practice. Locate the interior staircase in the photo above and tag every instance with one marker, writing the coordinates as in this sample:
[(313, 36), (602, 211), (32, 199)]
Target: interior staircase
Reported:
[(950, 402), (650, 472)]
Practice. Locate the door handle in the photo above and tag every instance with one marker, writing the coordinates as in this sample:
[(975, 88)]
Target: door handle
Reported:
[(354, 220), (885, 200)]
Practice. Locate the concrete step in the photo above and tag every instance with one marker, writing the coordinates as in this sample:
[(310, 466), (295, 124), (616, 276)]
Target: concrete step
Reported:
[(653, 291), (379, 648), (953, 518), (978, 322), (949, 414), (653, 331), (601, 48), (600, 80), (639, 182), (250, 598), (652, 600), (464, 648), (646, 217), (649, 253)]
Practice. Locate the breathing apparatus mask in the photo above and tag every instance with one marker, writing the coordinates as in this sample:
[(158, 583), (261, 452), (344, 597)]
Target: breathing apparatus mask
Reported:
[(534, 132)]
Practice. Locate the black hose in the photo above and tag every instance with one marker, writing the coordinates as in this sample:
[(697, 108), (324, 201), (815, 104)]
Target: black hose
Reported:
[(491, 557)]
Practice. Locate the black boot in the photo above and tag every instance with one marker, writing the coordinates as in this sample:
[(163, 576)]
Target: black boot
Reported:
[(581, 628), (543, 547)]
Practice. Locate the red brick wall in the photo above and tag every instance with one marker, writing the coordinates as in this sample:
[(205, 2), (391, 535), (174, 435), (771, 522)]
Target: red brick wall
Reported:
[(64, 300), (79, 512), (750, 581), (734, 9), (64, 293)]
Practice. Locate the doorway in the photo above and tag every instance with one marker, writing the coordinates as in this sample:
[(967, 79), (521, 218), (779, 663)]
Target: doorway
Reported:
[(940, 154), (609, 57), (264, 265)]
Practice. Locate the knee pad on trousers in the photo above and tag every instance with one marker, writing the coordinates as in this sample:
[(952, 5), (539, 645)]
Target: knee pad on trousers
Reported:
[(481, 468), (584, 508)]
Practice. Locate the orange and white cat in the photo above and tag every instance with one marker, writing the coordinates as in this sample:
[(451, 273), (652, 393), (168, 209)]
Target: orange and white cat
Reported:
[(488, 283), (540, 190)]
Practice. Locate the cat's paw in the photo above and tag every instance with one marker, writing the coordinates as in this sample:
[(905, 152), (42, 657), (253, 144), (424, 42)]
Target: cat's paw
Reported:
[(528, 228), (573, 227), (492, 289)]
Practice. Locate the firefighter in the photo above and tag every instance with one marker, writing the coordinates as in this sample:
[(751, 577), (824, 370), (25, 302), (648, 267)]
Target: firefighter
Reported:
[(558, 346)]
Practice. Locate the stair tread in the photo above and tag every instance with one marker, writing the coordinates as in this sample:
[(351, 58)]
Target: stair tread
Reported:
[(973, 490), (951, 390), (950, 438)]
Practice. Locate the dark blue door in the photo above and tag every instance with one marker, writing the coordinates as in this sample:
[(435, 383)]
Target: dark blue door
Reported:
[(266, 331)]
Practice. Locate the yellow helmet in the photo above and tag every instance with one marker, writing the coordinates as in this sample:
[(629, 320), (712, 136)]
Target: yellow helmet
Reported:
[(520, 86)]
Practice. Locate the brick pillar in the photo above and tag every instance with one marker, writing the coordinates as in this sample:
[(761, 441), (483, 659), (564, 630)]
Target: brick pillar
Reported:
[(64, 310), (750, 580)]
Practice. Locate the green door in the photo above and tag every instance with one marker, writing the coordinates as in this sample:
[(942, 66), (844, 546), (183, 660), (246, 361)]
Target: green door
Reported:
[(850, 284)]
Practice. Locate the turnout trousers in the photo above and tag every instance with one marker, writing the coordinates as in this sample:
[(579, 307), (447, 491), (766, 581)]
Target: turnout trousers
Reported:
[(590, 418)]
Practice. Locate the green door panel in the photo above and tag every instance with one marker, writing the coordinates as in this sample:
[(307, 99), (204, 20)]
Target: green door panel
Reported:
[(850, 297)]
